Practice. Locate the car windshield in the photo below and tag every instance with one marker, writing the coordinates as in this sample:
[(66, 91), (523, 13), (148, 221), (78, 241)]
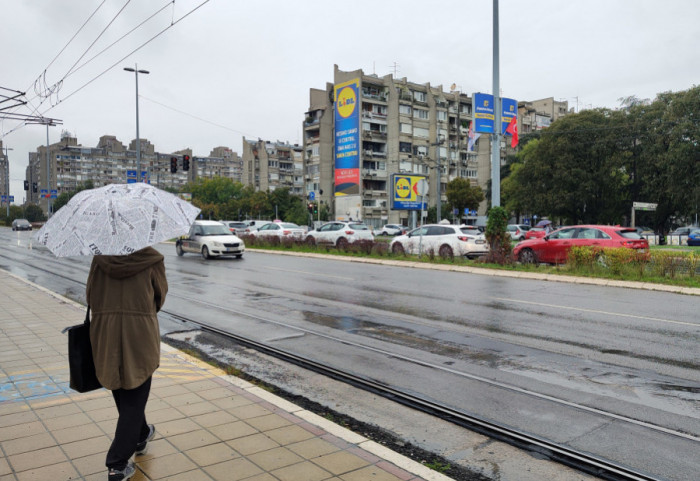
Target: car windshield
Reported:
[(629, 234), (470, 231), (289, 225), (215, 230), (22, 221)]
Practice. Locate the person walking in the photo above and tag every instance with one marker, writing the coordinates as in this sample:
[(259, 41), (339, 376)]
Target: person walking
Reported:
[(124, 294)]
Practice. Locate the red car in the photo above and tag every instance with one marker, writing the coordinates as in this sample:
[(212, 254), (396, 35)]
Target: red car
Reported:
[(554, 248)]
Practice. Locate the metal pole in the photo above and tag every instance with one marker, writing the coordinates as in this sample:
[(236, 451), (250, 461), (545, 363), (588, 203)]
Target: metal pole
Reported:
[(7, 180), (496, 137), (138, 137), (48, 173)]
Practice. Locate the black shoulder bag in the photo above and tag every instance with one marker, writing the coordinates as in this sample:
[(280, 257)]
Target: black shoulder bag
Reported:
[(82, 366)]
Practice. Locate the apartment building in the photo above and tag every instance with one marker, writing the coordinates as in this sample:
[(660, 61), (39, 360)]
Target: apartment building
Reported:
[(272, 165), (110, 162), (536, 115), (405, 128)]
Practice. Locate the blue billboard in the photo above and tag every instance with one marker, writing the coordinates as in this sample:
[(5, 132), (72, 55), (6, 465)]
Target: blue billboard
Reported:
[(405, 192), (484, 116), (347, 138)]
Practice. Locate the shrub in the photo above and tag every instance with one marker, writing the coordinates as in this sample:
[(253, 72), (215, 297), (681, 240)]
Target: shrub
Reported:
[(497, 235)]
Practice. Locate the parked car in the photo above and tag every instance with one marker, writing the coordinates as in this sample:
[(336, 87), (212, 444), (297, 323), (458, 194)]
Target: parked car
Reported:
[(535, 233), (392, 229), (254, 225), (444, 240), (694, 238), (642, 230), (238, 228), (280, 230), (339, 233), (210, 239), (554, 247), (684, 230), (517, 231), (21, 224)]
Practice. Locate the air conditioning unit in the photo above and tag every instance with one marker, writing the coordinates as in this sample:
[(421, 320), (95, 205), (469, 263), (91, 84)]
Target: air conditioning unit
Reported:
[(421, 156)]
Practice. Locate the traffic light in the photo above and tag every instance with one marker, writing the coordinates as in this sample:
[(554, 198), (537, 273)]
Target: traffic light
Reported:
[(26, 185), (173, 164), (34, 187), (185, 163), (310, 207), (315, 209)]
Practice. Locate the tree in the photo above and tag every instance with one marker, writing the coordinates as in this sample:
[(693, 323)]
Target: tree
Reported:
[(462, 195), (497, 236), (63, 199), (33, 213)]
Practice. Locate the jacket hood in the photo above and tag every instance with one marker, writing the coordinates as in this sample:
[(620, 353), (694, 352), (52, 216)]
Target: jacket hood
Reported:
[(120, 267)]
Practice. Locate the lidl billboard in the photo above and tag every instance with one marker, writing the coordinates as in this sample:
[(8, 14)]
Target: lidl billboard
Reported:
[(347, 138), (404, 194), (484, 116)]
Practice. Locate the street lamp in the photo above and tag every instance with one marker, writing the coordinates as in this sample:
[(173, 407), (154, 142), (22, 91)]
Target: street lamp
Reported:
[(7, 180), (138, 139)]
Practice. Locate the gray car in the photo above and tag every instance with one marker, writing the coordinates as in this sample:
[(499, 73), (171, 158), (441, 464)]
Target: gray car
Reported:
[(21, 224)]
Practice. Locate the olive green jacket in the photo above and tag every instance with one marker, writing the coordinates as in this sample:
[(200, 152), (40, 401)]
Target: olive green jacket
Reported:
[(124, 294)]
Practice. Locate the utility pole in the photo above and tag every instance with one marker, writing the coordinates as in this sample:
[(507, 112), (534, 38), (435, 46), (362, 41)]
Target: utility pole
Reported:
[(138, 138), (7, 180), (496, 136), (49, 123)]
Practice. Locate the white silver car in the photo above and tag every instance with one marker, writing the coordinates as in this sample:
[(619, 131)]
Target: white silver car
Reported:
[(443, 240), (392, 229), (210, 239), (339, 233), (280, 230)]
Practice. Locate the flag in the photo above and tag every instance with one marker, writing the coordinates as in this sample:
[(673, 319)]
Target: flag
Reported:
[(473, 137), (512, 129)]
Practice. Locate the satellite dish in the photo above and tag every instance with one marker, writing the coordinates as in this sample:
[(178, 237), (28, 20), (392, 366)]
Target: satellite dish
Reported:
[(453, 86)]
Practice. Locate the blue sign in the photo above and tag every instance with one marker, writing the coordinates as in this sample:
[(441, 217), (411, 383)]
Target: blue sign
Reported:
[(347, 138), (130, 181), (12, 198), (44, 191), (484, 116), (3, 198), (144, 173), (312, 195), (131, 173)]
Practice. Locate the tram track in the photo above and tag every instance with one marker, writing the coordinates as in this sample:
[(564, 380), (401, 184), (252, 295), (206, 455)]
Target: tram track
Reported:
[(585, 462)]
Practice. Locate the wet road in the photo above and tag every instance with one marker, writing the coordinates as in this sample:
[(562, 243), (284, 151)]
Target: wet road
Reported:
[(587, 366)]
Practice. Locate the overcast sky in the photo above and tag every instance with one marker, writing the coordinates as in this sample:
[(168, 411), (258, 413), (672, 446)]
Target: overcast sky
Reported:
[(232, 68)]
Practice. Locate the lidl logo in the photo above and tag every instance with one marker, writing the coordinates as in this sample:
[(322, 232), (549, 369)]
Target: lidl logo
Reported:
[(346, 102), (403, 187), (486, 103)]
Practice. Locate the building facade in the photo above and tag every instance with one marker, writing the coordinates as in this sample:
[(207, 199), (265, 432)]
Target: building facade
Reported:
[(110, 162), (404, 128), (272, 165)]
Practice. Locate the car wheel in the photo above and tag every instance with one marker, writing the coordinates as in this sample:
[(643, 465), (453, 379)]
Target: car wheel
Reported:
[(446, 252), (205, 252), (398, 249), (310, 241), (342, 243), (178, 249), (527, 256)]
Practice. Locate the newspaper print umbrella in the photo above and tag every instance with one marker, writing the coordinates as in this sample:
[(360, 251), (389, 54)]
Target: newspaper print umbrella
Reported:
[(543, 223), (116, 219)]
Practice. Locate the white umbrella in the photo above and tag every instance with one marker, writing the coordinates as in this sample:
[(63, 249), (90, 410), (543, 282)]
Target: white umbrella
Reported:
[(116, 219)]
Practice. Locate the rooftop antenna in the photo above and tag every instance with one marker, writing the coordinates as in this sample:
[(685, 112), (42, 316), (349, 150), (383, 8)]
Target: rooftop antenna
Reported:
[(395, 66)]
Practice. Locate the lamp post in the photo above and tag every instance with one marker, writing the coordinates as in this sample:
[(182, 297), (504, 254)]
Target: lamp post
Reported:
[(138, 138), (7, 179)]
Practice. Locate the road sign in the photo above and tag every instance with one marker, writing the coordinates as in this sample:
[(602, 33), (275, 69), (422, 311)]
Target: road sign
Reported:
[(644, 205), (422, 187), (12, 198), (312, 195)]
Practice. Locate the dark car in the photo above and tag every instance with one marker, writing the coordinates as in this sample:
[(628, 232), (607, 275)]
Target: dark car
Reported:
[(554, 247), (21, 224), (694, 238)]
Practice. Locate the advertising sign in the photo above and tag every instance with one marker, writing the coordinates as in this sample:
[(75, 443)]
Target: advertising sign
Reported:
[(404, 192), (484, 116), (347, 138)]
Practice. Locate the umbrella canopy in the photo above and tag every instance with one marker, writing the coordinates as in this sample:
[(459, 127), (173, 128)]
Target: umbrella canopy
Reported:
[(543, 223), (116, 219)]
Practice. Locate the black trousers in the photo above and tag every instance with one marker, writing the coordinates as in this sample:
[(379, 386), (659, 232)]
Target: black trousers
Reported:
[(131, 426)]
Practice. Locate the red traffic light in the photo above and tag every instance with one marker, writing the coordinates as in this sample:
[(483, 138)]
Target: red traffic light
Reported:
[(185, 162)]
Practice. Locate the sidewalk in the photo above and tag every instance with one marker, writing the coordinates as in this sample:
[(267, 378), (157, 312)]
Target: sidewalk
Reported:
[(210, 426)]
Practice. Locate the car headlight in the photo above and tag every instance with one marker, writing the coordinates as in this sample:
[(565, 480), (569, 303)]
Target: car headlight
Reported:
[(217, 244)]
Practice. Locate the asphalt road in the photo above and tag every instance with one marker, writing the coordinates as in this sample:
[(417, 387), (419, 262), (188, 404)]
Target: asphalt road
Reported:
[(591, 367)]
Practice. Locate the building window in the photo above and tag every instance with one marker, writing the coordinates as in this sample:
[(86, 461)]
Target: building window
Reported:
[(420, 114), (405, 109), (406, 128), (420, 132), (418, 96), (405, 147), (442, 115)]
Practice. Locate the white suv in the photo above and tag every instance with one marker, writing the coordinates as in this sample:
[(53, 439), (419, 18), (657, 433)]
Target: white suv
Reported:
[(392, 229), (444, 240), (338, 233)]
